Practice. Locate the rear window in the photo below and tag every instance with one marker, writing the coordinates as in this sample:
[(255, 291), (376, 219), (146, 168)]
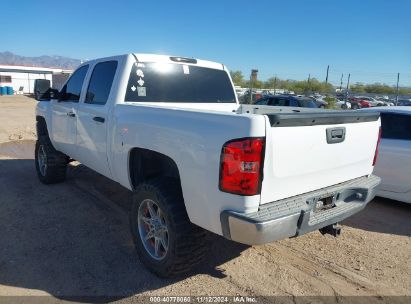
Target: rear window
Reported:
[(170, 82)]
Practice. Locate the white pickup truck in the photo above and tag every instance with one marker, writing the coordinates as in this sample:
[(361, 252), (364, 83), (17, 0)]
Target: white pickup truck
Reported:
[(171, 130)]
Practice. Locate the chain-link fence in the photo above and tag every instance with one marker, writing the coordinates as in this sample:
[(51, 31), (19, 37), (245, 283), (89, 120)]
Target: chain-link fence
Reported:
[(331, 88)]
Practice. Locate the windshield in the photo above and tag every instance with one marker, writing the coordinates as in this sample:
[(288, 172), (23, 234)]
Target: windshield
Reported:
[(171, 82)]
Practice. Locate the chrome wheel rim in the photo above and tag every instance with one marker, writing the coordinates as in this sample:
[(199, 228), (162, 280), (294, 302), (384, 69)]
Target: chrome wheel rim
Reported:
[(42, 160), (153, 229)]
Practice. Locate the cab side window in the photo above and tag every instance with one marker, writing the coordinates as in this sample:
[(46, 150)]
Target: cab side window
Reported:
[(396, 126), (100, 82), (72, 89)]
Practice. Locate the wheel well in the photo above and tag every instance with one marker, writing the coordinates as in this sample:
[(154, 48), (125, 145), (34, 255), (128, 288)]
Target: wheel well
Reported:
[(41, 126), (147, 164)]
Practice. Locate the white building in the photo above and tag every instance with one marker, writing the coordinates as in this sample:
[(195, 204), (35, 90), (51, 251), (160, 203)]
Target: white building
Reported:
[(21, 78)]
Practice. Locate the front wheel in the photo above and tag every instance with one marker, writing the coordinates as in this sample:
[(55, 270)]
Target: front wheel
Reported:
[(51, 164), (167, 243)]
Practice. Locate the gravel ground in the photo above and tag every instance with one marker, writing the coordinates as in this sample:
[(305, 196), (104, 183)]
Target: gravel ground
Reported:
[(72, 239)]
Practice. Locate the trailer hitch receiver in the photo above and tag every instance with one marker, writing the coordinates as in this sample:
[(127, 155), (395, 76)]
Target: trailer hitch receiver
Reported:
[(334, 230)]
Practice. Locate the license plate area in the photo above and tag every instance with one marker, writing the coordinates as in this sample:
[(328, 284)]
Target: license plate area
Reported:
[(323, 203)]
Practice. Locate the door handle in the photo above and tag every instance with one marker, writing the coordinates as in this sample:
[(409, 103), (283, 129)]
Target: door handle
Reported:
[(71, 114), (99, 119)]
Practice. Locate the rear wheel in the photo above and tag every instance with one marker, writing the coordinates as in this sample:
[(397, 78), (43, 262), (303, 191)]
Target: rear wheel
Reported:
[(51, 164), (167, 243)]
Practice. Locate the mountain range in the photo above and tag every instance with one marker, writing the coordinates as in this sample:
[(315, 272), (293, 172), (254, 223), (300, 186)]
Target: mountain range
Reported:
[(40, 61)]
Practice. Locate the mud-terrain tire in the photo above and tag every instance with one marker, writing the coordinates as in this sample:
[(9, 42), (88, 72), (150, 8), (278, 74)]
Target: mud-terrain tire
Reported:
[(170, 227), (51, 165)]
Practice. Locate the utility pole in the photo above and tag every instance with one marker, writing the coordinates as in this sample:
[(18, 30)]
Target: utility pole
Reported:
[(348, 87), (342, 75), (396, 97), (326, 78), (309, 83)]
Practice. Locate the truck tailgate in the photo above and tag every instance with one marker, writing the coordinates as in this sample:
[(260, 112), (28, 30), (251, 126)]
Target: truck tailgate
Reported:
[(310, 151)]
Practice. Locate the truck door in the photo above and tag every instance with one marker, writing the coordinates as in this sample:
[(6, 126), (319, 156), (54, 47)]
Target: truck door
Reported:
[(64, 111), (93, 118)]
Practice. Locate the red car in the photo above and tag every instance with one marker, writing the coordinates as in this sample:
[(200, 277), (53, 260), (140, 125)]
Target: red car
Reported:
[(358, 103)]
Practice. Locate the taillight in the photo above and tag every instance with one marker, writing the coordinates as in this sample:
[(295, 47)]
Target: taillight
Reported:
[(241, 166), (376, 148)]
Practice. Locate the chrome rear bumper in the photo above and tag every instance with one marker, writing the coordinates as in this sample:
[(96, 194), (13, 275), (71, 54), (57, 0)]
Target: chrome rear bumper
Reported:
[(300, 214)]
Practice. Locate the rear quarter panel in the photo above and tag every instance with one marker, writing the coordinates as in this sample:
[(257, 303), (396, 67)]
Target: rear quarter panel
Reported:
[(193, 139)]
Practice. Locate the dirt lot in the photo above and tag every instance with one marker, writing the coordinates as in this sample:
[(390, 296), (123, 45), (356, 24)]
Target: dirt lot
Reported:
[(72, 239)]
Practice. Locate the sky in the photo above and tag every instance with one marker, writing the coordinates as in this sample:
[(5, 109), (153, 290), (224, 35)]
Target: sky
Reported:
[(371, 39)]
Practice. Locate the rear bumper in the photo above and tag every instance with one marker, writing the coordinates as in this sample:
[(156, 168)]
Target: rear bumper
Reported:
[(297, 215)]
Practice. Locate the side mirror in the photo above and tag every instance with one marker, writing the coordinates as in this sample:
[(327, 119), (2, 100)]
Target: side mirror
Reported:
[(54, 94), (47, 96), (42, 89)]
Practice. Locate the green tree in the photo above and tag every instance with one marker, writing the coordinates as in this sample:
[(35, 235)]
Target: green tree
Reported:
[(256, 84), (315, 86), (237, 77), (357, 88), (331, 102)]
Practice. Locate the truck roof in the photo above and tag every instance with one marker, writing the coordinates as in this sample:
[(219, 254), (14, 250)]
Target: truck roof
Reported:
[(143, 57), (167, 58)]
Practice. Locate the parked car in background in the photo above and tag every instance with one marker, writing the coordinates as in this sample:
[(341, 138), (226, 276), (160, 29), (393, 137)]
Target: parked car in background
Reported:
[(390, 102), (394, 159), (240, 91), (358, 103), (386, 101), (374, 102), (286, 101), (404, 102), (343, 104), (319, 101), (245, 98)]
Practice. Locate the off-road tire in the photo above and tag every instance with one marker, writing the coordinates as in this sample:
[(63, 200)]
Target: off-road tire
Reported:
[(187, 242), (56, 161)]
